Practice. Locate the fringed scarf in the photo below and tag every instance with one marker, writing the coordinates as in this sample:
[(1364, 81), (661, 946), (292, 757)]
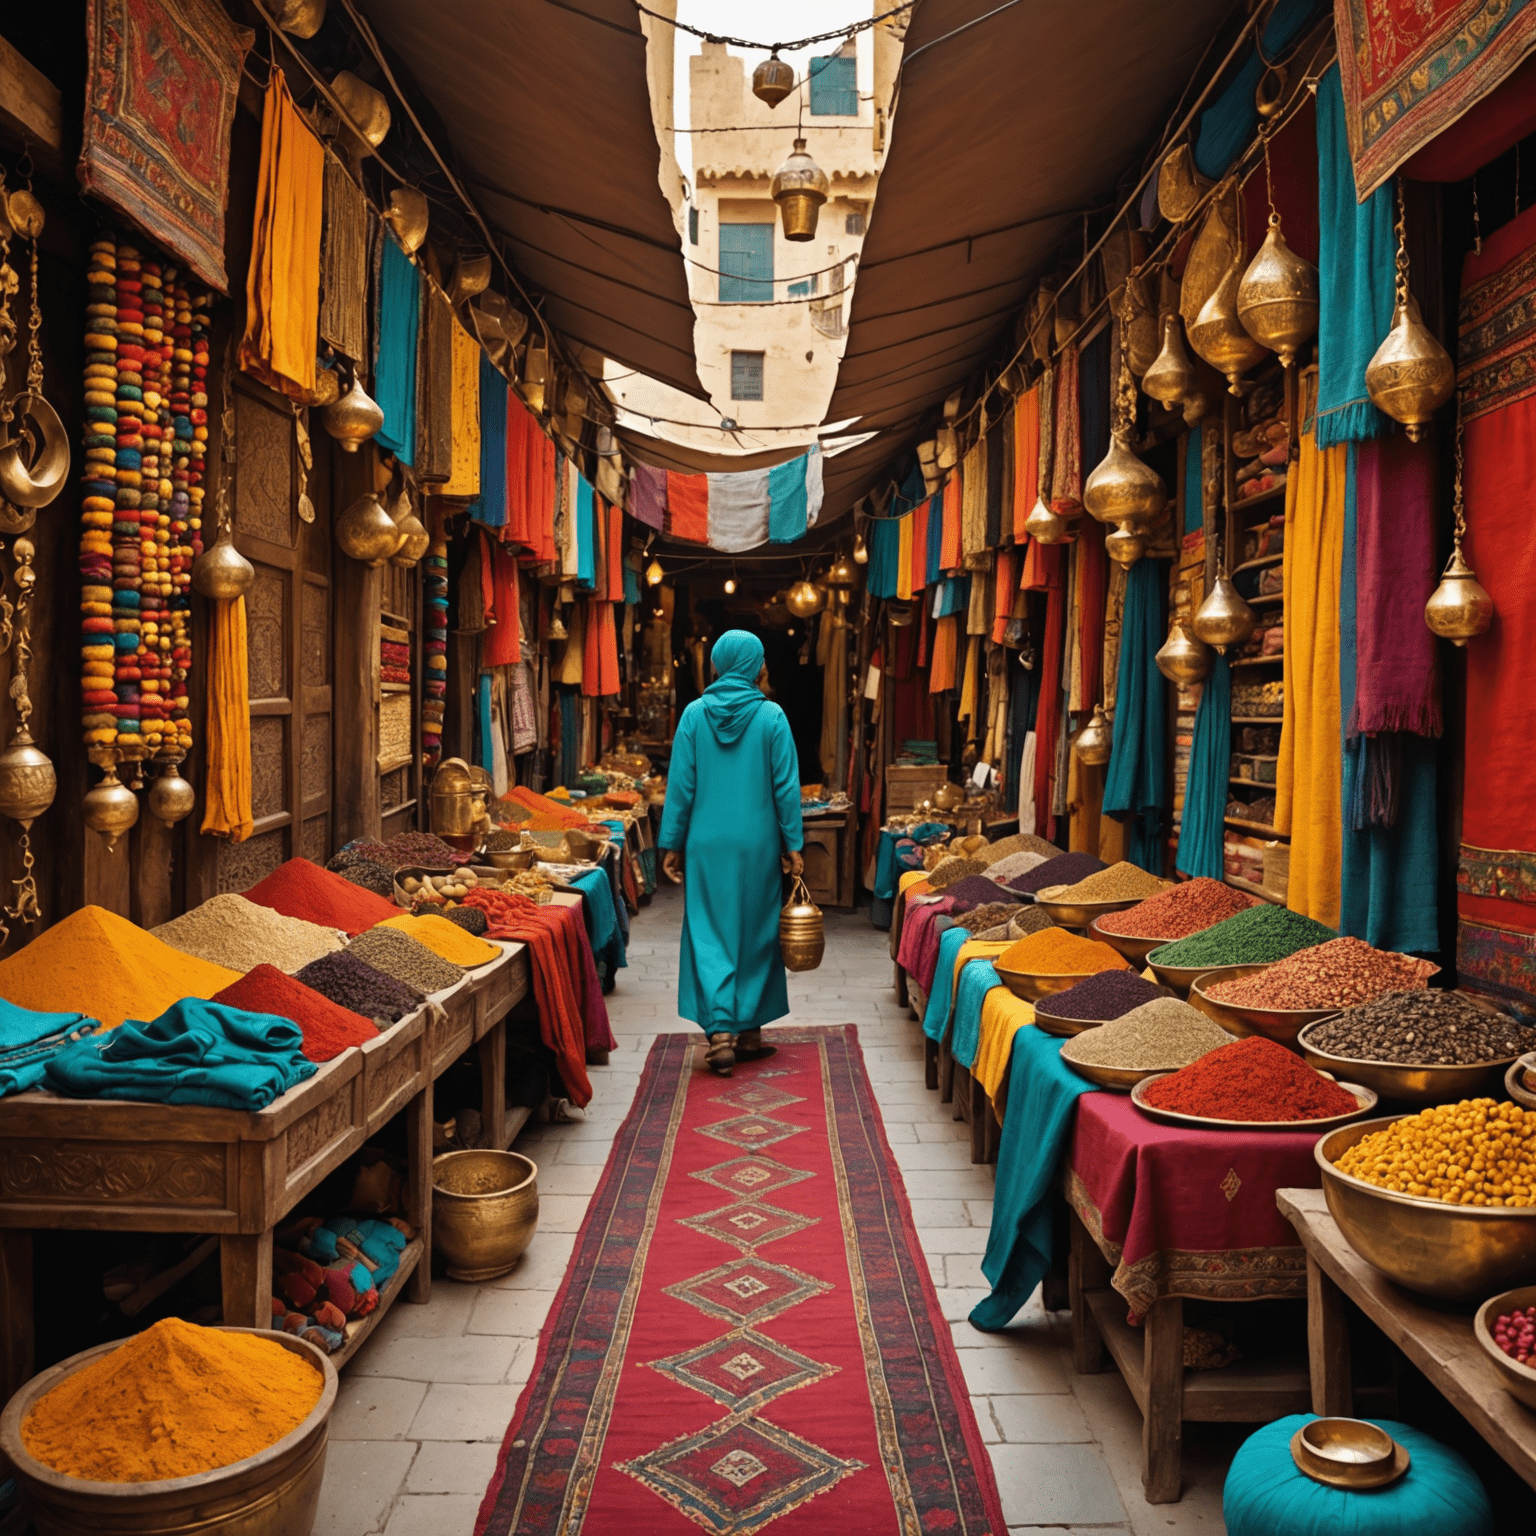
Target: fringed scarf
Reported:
[(227, 812), (394, 376), (1136, 784), (1067, 448), (973, 503)]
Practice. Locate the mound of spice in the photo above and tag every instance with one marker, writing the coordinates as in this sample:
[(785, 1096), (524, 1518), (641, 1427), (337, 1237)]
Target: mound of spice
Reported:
[(1338, 974), (1109, 995), (1179, 911), (1055, 952), (1028, 919), (172, 1401), (1012, 865), (378, 878), (951, 871), (329, 1029), (1477, 1152), (1250, 1079), (1423, 1028), (1258, 936), (1515, 1333), (991, 914), (239, 934), (406, 959), (1159, 1036), (974, 890), (470, 919), (402, 849), (1120, 882), (1064, 869), (351, 983), (447, 939), (1018, 842), (301, 889)]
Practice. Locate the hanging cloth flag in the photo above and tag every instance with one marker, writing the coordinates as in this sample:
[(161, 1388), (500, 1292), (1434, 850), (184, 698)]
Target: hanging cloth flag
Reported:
[(490, 505), (464, 477), (648, 495), (794, 497), (738, 511), (395, 372)]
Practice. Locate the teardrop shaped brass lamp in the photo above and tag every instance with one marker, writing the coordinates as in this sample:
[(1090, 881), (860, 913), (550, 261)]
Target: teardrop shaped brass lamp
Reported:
[(773, 80), (1277, 298), (1122, 489), (353, 419), (1172, 376), (365, 531), (171, 798), (1412, 375), (1224, 618), (1045, 526), (799, 187), (1218, 335), (28, 782), (1459, 609), (1126, 545), (1183, 659), (414, 537), (1095, 742), (110, 808), (803, 599), (221, 572)]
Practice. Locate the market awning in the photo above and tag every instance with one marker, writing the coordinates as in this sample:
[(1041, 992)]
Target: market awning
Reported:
[(549, 115), (1003, 135)]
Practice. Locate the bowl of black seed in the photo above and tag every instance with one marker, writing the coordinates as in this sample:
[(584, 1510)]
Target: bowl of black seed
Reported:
[(1423, 1047)]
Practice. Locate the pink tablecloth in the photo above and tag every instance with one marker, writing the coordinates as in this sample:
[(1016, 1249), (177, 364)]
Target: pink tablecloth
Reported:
[(1187, 1213), (919, 949)]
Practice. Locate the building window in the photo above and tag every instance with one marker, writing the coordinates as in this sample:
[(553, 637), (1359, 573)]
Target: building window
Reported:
[(746, 263), (835, 86), (853, 224), (804, 289), (746, 375), (693, 226)]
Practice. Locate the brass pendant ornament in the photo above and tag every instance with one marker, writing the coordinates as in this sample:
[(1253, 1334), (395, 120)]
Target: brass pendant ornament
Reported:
[(1218, 335), (1045, 526), (799, 187), (1277, 298), (1172, 377), (1095, 742), (804, 599), (414, 538), (221, 573), (353, 419), (1126, 545), (1224, 618), (1183, 659), (773, 80), (408, 216), (1121, 489), (110, 808), (366, 532), (366, 111), (171, 798), (28, 782), (1459, 609)]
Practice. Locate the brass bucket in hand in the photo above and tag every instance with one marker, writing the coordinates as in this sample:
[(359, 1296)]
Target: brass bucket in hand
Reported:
[(802, 937)]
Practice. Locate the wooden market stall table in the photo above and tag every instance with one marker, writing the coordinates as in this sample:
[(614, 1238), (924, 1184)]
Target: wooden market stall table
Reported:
[(1438, 1342), (123, 1166)]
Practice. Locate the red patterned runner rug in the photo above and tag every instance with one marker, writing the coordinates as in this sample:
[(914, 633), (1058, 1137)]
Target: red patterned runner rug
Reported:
[(747, 1336)]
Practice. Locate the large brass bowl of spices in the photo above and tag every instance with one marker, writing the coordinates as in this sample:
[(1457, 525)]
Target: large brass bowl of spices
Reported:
[(1415, 1084), (1458, 1253), (1080, 914), (1032, 985), (1060, 1026), (1281, 1025), (1135, 950), (1179, 978), (273, 1493), (485, 1209), (1365, 1102)]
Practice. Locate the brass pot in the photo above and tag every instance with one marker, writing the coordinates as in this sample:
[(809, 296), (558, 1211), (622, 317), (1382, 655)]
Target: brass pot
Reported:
[(28, 782), (1277, 298), (171, 798), (110, 808), (35, 484), (1094, 743), (1412, 375), (353, 419), (471, 276), (1126, 545), (414, 537), (221, 572), (408, 216), (948, 796), (586, 846), (453, 799), (365, 532), (1218, 335), (485, 1210), (1122, 489), (799, 187), (1459, 609), (275, 1491), (1183, 659), (1171, 377), (1224, 618), (802, 933), (773, 80)]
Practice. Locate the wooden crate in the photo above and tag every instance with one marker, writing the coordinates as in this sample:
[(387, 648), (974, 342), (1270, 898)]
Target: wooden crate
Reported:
[(907, 785)]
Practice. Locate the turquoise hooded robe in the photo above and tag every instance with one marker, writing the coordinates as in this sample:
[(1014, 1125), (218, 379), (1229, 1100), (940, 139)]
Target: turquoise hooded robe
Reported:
[(733, 806)]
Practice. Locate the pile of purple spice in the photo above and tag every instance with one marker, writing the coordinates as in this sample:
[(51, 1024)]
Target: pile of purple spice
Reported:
[(349, 982), (1067, 869), (976, 891), (1109, 995)]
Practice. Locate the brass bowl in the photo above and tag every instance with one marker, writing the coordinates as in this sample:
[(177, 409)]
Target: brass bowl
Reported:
[(1282, 1025), (1181, 977), (1117, 1079), (1410, 1084), (1519, 1380), (1365, 1102), (1134, 950), (276, 1490), (1458, 1253), (509, 858), (1512, 1084), (1348, 1453), (485, 1209), (1079, 914), (1062, 1027), (1032, 985), (586, 846)]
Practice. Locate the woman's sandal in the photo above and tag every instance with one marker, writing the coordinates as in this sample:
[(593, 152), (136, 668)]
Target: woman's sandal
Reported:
[(721, 1055), (750, 1047)]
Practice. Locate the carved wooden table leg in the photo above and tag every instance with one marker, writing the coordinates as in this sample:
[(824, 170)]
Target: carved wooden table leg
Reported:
[(1328, 1346), (1162, 1426), (981, 1112), (245, 1263), (901, 987), (493, 1086), (1087, 1270), (418, 1136), (16, 1356)]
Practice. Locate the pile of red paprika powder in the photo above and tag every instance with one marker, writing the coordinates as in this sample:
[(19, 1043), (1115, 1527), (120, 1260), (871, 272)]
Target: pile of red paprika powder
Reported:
[(1251, 1079)]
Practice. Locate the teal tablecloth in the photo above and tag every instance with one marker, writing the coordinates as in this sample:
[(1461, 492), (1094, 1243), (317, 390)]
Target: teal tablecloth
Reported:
[(1042, 1093), (597, 905), (976, 980), (937, 1014)]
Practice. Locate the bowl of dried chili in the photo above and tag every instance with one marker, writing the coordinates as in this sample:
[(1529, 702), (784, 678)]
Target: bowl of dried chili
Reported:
[(1279, 1024)]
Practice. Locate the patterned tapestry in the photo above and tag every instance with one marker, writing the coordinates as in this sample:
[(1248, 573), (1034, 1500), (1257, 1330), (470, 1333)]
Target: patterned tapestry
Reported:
[(160, 102), (1410, 68)]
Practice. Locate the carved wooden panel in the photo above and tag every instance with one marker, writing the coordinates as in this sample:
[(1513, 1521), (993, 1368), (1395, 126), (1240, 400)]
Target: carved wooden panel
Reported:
[(264, 481), (268, 762), (324, 1124), (266, 610), (113, 1174), (315, 759), (315, 648), (241, 865), (315, 844), (391, 1078)]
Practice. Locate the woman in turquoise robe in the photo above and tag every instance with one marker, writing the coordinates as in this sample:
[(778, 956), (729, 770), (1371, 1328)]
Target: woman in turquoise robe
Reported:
[(732, 821)]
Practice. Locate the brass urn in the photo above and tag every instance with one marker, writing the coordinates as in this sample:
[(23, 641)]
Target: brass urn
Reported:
[(1094, 743), (27, 780), (1045, 526), (802, 936), (353, 419), (1122, 489), (171, 798), (1126, 545), (485, 1210), (1183, 659), (1459, 608), (221, 572), (1224, 618), (1412, 375), (1218, 335), (365, 532), (949, 797), (1277, 298), (773, 80), (110, 808), (1171, 376), (799, 187)]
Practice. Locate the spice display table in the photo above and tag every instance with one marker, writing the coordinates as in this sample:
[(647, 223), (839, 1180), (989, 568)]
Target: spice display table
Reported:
[(115, 1165), (1439, 1343)]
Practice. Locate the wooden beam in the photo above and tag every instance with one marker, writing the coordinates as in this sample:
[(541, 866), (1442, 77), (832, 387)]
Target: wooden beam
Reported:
[(29, 104)]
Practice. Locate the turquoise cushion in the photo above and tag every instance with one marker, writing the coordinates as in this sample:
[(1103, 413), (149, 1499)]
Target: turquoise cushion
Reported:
[(1267, 1495)]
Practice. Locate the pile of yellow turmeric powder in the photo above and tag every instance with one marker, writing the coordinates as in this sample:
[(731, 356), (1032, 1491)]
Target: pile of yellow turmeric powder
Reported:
[(173, 1401)]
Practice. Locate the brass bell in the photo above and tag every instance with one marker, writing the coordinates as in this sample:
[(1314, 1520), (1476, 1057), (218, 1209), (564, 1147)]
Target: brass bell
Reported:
[(804, 599), (1045, 526), (1122, 489), (171, 798), (1277, 298), (1224, 618), (1094, 743), (1172, 376), (221, 572), (366, 110), (1126, 545), (1218, 335), (366, 532), (111, 808), (35, 484), (773, 80), (799, 187), (408, 215), (1460, 607), (27, 780), (1183, 659), (353, 419), (1412, 375)]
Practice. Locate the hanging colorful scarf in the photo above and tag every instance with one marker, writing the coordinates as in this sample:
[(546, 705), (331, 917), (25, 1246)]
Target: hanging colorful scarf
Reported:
[(951, 545), (1203, 829), (973, 502), (490, 503), (600, 662), (395, 369), (344, 264), (1067, 441), (993, 456), (227, 810), (1026, 459), (1136, 782), (1048, 713), (464, 472), (884, 552), (904, 558), (688, 507), (920, 547), (648, 495), (946, 643)]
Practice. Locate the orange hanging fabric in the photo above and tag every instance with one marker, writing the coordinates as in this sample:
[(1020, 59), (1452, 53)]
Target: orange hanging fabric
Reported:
[(949, 547), (1003, 592), (688, 507), (615, 553), (941, 675), (499, 582), (600, 661), (920, 546)]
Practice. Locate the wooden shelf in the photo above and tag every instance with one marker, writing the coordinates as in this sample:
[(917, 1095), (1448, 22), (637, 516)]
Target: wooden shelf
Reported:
[(1238, 883), (1257, 719), (394, 687), (1268, 501), (1258, 661), (1258, 828), (1250, 783), (413, 1255), (1259, 564), (1266, 598)]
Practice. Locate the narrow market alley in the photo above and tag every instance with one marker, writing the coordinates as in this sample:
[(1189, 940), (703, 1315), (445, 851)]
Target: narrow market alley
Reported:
[(424, 1407)]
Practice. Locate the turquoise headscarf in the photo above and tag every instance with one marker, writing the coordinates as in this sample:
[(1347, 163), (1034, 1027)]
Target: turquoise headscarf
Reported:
[(734, 697)]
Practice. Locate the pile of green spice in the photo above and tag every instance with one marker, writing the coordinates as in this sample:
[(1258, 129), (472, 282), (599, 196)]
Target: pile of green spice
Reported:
[(1429, 1029), (1159, 1036), (1120, 882), (1258, 936)]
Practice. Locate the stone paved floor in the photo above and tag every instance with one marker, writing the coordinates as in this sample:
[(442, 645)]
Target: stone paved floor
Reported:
[(424, 1405)]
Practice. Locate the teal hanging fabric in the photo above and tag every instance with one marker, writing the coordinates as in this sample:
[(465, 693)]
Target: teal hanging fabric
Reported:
[(1136, 784), (586, 544), (394, 375), (1356, 251), (484, 753), (631, 585), (884, 556), (1205, 794), (1194, 482), (490, 506), (570, 735)]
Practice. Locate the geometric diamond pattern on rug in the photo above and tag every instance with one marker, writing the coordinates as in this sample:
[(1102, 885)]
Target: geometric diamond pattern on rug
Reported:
[(757, 1096), (750, 1131), (749, 1290), (739, 1475), (747, 1224), (743, 1370), (752, 1176)]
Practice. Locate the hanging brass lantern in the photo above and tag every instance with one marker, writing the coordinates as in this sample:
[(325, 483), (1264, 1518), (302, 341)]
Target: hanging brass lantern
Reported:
[(353, 419), (1277, 298), (1183, 659), (28, 782), (1172, 376), (221, 572), (804, 599), (1459, 608), (1218, 335), (111, 808), (654, 573), (414, 537), (1045, 526), (799, 187), (842, 573), (860, 550), (1412, 375), (1224, 618), (301, 18), (171, 798), (1094, 743), (366, 110), (1126, 545), (773, 80), (366, 532), (1122, 489)]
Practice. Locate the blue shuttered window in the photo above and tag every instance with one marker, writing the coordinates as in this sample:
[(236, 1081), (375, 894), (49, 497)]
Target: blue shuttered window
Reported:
[(746, 263), (835, 86)]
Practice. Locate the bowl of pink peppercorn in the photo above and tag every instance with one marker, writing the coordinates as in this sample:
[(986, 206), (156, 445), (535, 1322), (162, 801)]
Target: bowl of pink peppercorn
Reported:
[(1505, 1326)]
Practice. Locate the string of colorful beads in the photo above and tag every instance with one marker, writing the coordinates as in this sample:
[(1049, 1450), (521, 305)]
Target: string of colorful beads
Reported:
[(436, 624), (154, 523), (188, 417)]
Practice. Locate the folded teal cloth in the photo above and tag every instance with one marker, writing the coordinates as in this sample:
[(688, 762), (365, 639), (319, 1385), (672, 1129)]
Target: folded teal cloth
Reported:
[(936, 1016), (22, 1027), (976, 980), (196, 1052), (597, 904)]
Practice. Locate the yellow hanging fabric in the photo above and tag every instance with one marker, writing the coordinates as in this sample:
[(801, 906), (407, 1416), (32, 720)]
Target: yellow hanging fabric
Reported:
[(968, 687), (904, 532), (464, 478), (228, 793)]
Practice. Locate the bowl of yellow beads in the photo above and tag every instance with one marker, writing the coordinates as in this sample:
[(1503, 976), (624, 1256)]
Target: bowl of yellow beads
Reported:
[(1442, 1202)]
